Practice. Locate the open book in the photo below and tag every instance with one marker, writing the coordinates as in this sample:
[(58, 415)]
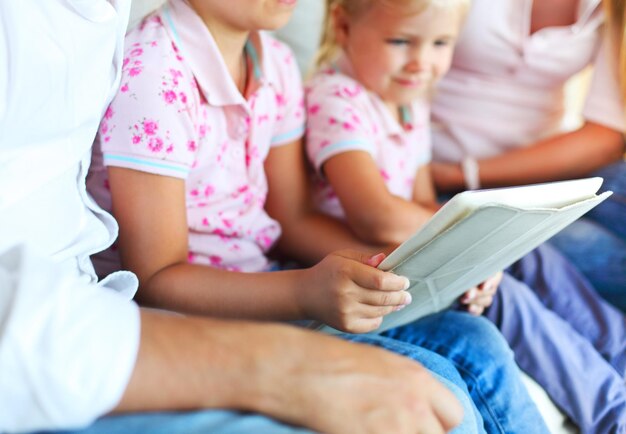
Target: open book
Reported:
[(478, 233)]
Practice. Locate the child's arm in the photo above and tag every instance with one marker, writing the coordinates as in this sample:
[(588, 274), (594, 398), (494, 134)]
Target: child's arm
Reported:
[(307, 235), (344, 290), (371, 210)]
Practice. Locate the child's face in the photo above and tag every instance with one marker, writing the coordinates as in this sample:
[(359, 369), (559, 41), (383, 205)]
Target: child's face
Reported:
[(398, 55), (247, 15)]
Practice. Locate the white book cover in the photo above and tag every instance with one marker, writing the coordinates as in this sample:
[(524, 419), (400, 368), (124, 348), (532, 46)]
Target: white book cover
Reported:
[(478, 233)]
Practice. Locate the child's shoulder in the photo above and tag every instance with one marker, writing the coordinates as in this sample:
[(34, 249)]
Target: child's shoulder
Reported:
[(151, 41)]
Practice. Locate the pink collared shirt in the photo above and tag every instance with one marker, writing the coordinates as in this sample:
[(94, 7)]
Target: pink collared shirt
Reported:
[(505, 88), (343, 116), (179, 114)]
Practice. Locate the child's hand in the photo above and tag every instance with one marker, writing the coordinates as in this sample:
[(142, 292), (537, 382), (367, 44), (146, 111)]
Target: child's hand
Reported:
[(347, 292), (480, 297)]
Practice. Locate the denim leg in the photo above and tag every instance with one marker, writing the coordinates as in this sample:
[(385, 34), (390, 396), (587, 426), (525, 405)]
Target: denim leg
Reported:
[(599, 254), (561, 288), (486, 364), (578, 379), (197, 422), (232, 422), (442, 369), (612, 212)]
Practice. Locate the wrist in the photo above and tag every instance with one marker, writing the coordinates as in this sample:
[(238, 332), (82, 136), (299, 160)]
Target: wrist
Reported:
[(471, 173)]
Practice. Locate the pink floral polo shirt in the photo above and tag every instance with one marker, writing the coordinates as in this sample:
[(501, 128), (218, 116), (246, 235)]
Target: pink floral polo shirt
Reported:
[(178, 113), (344, 116)]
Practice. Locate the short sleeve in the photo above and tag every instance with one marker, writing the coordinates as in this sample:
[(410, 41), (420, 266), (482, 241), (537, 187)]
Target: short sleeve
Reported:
[(290, 115), (604, 104), (149, 126), (336, 120)]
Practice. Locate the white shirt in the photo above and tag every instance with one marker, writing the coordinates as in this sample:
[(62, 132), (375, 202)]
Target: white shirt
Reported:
[(505, 87), (67, 344)]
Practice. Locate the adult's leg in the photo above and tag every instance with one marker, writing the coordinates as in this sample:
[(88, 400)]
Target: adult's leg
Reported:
[(231, 422), (482, 357), (612, 212), (599, 254), (561, 288), (577, 378)]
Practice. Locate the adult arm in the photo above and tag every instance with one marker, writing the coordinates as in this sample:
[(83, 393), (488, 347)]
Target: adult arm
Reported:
[(570, 155), (269, 373), (342, 290)]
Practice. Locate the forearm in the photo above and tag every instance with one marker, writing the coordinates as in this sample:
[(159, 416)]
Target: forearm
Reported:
[(189, 363), (203, 290), (312, 236), (392, 222), (571, 155)]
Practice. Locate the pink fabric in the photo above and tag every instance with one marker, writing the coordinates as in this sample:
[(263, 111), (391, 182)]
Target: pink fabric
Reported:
[(505, 88), (179, 114), (343, 116)]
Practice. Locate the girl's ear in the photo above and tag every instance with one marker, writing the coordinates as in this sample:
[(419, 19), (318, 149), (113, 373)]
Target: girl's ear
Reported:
[(341, 25)]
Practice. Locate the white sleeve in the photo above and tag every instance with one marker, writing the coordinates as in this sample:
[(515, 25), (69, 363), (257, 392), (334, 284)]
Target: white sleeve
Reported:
[(604, 104), (67, 347)]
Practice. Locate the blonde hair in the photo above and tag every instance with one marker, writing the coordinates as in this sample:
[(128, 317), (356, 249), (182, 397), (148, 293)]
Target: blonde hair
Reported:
[(615, 11), (354, 8)]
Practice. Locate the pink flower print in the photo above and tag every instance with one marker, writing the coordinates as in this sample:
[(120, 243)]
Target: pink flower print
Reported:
[(153, 44), (124, 88), (205, 221), (109, 113), (136, 52), (203, 130), (281, 100), (356, 119), (155, 144), (136, 139), (385, 176), (183, 97), (332, 121), (324, 144), (216, 261), (169, 149), (351, 93), (150, 127), (194, 192), (190, 257), (125, 62), (263, 118), (229, 223), (169, 96), (348, 126), (314, 109), (191, 145), (134, 71), (104, 127), (209, 190)]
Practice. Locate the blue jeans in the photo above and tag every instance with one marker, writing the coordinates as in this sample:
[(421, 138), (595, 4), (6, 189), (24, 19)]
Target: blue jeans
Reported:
[(596, 243), (566, 337), (231, 422), (484, 361)]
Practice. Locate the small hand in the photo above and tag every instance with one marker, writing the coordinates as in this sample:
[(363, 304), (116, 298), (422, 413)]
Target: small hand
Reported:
[(348, 293), (480, 297)]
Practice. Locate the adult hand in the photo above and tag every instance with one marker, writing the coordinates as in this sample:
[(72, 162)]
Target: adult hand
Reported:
[(341, 387), (347, 292), (480, 297)]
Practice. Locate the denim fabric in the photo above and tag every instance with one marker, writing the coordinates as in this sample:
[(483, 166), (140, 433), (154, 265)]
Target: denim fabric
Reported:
[(596, 243), (566, 337), (485, 362), (230, 422)]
